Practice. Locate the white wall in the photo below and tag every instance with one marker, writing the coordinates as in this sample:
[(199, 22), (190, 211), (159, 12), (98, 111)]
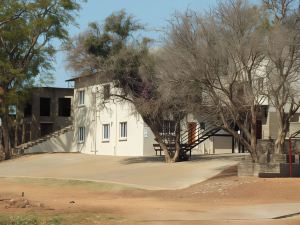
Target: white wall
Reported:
[(94, 114), (62, 143), (222, 145), (148, 141), (140, 138)]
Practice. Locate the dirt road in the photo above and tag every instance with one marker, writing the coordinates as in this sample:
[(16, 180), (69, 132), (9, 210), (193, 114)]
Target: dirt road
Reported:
[(225, 199), (144, 172)]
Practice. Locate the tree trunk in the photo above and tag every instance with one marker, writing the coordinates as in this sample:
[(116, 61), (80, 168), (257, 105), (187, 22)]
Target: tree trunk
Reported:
[(163, 146), (23, 132), (177, 142), (243, 141), (279, 143), (6, 138), (250, 146), (153, 125), (5, 129), (16, 141), (253, 139), (282, 132)]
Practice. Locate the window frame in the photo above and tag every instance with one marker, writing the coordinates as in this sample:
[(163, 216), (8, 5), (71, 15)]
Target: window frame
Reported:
[(81, 98), (81, 135), (104, 139), (106, 91), (121, 137)]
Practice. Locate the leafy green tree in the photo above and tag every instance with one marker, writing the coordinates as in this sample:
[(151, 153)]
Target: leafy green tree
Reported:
[(27, 31)]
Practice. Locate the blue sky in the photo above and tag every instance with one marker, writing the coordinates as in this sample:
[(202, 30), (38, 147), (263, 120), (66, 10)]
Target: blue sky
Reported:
[(153, 13)]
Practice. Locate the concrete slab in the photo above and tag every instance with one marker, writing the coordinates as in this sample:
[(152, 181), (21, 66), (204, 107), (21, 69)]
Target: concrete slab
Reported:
[(141, 172)]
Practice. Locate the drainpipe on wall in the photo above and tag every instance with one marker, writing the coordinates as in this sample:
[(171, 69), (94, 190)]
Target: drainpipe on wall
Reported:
[(96, 126), (116, 132), (94, 93)]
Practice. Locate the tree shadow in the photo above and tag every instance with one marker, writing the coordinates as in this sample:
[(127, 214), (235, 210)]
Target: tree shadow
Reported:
[(229, 156), (143, 159), (194, 159), (226, 173)]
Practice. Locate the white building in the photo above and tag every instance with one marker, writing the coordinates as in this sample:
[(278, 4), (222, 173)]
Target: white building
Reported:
[(115, 128)]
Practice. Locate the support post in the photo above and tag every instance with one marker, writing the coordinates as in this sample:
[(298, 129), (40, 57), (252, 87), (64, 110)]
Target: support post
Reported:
[(232, 144), (290, 156)]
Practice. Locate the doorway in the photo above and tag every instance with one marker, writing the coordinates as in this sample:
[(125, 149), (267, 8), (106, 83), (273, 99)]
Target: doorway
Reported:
[(192, 132)]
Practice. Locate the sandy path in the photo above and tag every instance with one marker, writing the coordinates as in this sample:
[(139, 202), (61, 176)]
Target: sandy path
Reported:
[(226, 199), (142, 172)]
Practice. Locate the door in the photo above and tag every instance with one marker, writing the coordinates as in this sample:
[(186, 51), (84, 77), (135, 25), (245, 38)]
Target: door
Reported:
[(192, 126)]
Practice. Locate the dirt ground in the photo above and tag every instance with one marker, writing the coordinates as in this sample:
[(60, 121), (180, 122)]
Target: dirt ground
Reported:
[(224, 199)]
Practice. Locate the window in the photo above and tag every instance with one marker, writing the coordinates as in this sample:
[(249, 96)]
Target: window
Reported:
[(28, 110), (45, 105), (105, 132), (295, 117), (12, 110), (81, 97), (106, 91), (123, 130), (167, 127), (64, 107), (81, 134), (259, 83)]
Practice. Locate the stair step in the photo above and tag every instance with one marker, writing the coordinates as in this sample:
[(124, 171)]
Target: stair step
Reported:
[(30, 144)]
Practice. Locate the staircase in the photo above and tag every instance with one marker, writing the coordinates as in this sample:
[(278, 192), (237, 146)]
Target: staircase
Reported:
[(19, 150), (196, 135)]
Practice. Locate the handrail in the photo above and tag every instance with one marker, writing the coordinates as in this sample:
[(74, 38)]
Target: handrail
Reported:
[(198, 132)]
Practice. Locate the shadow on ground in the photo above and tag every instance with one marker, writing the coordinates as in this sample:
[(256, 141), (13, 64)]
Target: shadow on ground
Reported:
[(226, 173), (143, 159), (195, 158)]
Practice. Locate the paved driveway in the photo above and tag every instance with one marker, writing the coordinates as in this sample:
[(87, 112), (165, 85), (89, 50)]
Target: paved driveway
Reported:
[(142, 172)]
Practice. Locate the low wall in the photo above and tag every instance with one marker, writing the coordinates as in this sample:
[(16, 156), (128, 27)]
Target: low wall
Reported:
[(247, 168), (253, 169), (62, 143), (285, 169)]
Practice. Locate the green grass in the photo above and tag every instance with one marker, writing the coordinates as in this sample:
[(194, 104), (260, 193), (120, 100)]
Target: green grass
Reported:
[(49, 182), (56, 219)]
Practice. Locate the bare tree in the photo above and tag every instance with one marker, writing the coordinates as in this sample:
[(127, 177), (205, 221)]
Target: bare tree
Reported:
[(279, 8), (220, 55), (282, 67)]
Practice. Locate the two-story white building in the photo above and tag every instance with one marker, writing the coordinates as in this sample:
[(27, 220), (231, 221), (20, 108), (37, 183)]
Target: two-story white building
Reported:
[(115, 128)]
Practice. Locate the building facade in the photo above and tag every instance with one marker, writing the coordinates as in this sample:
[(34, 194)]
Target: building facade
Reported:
[(47, 110), (106, 125)]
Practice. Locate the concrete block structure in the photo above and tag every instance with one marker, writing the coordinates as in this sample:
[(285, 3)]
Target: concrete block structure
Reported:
[(47, 110)]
